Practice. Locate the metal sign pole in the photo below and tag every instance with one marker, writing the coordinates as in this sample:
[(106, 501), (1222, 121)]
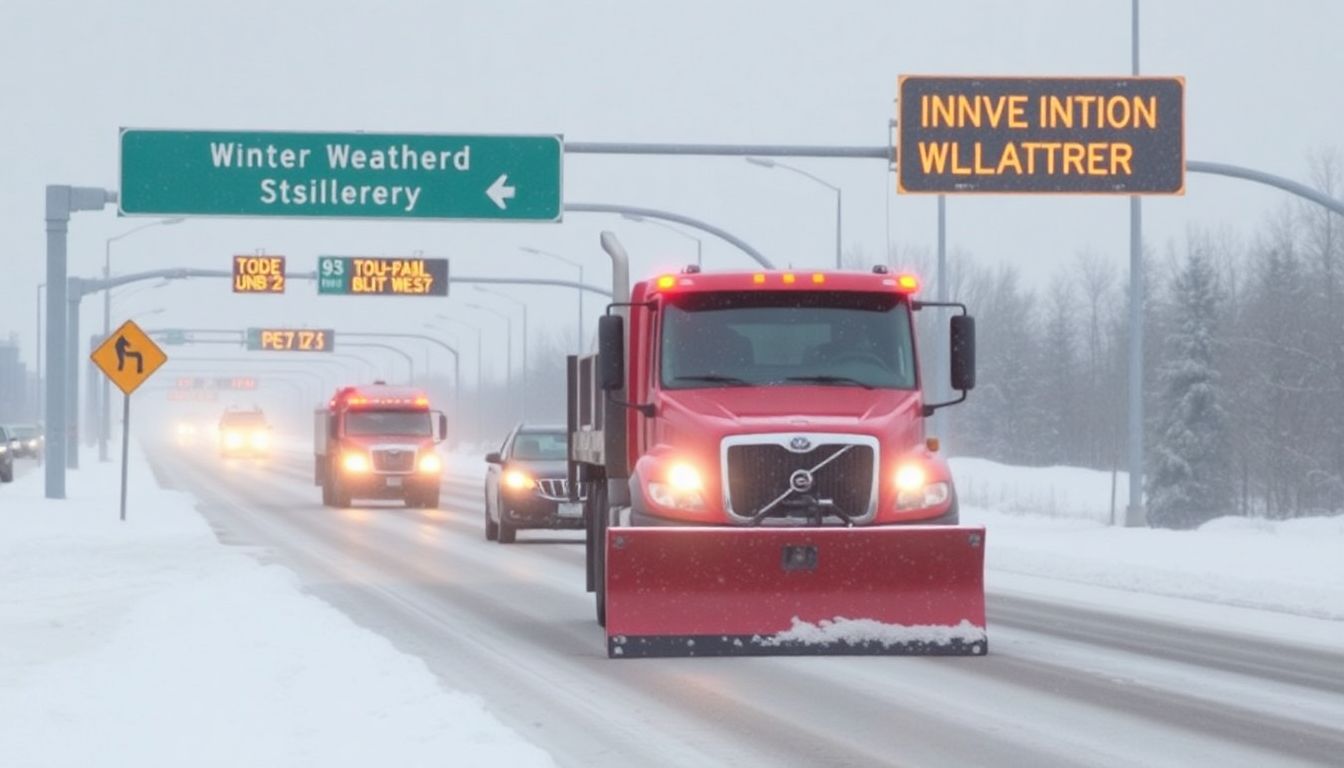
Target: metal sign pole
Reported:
[(125, 444)]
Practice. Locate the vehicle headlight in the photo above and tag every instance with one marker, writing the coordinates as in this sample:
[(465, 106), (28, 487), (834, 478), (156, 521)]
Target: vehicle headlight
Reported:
[(233, 440), (430, 463), (260, 439), (680, 488), (4, 449), (32, 443), (355, 462), (517, 480), (914, 491)]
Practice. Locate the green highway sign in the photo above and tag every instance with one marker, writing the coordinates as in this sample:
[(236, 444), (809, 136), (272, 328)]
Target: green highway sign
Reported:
[(382, 276), (340, 175)]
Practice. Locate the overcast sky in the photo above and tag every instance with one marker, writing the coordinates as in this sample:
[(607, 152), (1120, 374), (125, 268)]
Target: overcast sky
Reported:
[(1264, 88)]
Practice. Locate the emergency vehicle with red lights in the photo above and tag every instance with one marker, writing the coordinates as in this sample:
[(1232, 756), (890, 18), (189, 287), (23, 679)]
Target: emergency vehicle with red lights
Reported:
[(378, 442), (758, 474)]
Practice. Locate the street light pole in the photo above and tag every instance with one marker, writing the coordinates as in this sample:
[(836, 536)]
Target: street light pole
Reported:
[(766, 162), (508, 345), (576, 265), (105, 429), (480, 366), (699, 244), (523, 404)]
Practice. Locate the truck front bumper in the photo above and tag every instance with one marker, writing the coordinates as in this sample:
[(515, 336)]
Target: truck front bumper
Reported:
[(377, 485)]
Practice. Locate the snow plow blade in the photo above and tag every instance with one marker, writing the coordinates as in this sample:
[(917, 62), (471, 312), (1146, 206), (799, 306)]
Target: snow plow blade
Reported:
[(910, 590)]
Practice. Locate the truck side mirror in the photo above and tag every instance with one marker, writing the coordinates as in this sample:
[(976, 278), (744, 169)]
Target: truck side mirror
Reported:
[(611, 352), (963, 352), (443, 427), (493, 457)]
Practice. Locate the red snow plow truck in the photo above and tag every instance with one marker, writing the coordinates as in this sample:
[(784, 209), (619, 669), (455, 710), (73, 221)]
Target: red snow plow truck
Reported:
[(756, 474), (378, 442)]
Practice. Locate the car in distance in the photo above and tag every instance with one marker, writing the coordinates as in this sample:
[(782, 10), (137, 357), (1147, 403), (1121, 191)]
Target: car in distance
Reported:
[(526, 485), (7, 444), (29, 439), (244, 434)]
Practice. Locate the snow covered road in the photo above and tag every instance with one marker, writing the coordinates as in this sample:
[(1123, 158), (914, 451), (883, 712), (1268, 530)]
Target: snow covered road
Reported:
[(1068, 681)]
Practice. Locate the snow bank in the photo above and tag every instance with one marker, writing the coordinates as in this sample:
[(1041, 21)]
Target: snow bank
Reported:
[(1057, 492), (1054, 523), (869, 631), (147, 643)]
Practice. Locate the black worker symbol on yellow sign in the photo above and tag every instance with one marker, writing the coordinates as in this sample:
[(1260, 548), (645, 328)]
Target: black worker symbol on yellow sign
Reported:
[(123, 348), (128, 357)]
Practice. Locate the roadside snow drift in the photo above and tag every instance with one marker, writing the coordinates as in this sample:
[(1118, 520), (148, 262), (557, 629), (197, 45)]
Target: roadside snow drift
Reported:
[(147, 643)]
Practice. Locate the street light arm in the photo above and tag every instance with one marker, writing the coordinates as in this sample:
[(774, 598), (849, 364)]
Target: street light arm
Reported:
[(654, 213), (133, 230)]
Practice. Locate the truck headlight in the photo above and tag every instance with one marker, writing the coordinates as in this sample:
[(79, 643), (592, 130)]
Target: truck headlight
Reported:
[(233, 440), (430, 464), (680, 489), (260, 440), (914, 491), (355, 463)]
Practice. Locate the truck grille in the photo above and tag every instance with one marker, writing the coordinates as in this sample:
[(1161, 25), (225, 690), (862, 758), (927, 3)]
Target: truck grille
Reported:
[(758, 473), (393, 459)]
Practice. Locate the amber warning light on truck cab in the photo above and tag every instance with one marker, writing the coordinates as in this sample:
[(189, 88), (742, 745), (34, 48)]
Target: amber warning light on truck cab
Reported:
[(903, 283)]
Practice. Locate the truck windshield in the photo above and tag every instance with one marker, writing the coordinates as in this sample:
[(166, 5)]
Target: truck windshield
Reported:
[(777, 338), (415, 423)]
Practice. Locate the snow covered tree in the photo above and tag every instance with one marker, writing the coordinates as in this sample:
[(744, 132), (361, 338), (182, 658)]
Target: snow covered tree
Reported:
[(1188, 483)]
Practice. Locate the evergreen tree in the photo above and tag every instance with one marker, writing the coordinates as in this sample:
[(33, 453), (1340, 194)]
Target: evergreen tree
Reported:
[(1188, 483)]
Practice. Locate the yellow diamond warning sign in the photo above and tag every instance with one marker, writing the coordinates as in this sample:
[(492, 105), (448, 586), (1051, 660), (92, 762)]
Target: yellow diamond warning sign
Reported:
[(128, 357)]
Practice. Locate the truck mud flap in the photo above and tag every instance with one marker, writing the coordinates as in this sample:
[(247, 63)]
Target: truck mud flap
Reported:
[(909, 590)]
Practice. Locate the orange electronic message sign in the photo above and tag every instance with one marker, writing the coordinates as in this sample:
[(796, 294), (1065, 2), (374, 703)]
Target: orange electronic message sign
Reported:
[(1119, 136), (290, 339), (258, 274)]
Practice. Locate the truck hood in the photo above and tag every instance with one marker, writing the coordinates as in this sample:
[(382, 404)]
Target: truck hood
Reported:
[(825, 408)]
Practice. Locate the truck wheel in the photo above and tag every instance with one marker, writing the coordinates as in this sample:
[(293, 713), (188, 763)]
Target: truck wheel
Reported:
[(340, 497), (430, 500), (7, 474), (491, 527), (507, 532), (326, 492)]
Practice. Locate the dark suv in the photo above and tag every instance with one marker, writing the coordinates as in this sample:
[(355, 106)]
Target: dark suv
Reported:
[(525, 486)]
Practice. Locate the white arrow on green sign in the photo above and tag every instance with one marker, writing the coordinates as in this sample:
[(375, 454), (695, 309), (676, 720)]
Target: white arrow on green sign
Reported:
[(340, 175)]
